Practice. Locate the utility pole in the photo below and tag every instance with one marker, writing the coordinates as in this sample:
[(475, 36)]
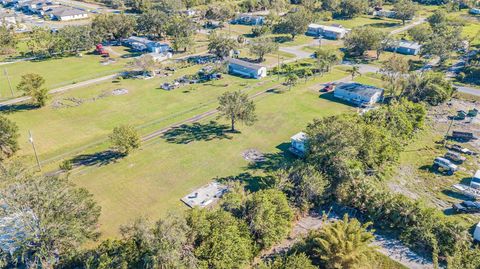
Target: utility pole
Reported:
[(278, 68), (8, 78), (448, 131), (30, 138)]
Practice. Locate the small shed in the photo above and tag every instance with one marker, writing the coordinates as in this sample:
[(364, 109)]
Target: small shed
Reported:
[(299, 144), (246, 69), (326, 31), (358, 94)]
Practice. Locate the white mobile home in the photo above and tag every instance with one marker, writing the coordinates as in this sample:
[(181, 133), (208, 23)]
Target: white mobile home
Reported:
[(246, 69), (330, 32), (358, 94)]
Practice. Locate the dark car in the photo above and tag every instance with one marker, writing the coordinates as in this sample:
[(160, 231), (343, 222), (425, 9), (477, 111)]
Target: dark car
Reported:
[(459, 148), (328, 88), (467, 207)]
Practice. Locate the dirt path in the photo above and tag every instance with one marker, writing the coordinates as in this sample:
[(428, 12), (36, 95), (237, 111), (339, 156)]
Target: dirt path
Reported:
[(61, 89), (390, 247)]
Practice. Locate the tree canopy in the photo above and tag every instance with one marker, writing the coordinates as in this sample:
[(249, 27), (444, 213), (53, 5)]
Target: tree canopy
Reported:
[(236, 106)]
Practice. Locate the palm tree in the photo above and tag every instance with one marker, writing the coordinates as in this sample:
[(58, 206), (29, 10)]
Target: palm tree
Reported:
[(342, 244), (355, 70)]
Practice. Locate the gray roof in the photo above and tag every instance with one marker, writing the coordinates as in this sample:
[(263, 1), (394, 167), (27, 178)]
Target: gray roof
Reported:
[(409, 45), (245, 64), (66, 11), (359, 89)]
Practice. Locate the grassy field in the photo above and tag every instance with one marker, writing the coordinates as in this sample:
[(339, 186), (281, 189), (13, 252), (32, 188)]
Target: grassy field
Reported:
[(151, 181), (57, 72), (87, 115), (415, 179)]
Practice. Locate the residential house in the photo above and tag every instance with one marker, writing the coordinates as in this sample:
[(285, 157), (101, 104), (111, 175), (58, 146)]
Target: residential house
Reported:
[(34, 5), (158, 47), (66, 14), (475, 11), (145, 44), (246, 69), (405, 47), (358, 94), (385, 13), (248, 19), (330, 32), (160, 57), (299, 144)]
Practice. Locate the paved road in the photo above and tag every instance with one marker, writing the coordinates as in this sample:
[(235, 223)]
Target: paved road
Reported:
[(408, 26), (61, 89)]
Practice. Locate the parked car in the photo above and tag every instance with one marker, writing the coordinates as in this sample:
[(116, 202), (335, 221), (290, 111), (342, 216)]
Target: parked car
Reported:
[(455, 157), (459, 148), (328, 87), (467, 207), (441, 163)]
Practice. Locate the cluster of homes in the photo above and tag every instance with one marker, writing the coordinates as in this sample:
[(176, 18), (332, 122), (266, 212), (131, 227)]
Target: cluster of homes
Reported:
[(47, 8), (338, 32)]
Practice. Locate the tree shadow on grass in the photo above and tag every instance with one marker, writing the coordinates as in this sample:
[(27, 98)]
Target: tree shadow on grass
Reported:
[(274, 161), (456, 195), (99, 159), (7, 109), (330, 97), (251, 182), (187, 133), (384, 24)]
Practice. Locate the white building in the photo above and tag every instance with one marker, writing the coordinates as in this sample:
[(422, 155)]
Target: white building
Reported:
[(246, 69), (358, 94), (67, 14), (299, 144), (326, 31)]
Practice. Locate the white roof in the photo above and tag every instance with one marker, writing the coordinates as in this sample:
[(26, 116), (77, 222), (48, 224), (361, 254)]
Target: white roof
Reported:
[(245, 64), (477, 174), (409, 45), (329, 28), (299, 137)]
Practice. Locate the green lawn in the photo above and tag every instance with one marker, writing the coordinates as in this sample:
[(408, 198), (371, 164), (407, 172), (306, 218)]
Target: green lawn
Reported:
[(57, 72), (151, 181), (60, 130)]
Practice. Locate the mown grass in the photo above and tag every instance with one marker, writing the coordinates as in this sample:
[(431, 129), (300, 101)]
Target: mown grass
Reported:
[(57, 72), (151, 181), (59, 130)]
